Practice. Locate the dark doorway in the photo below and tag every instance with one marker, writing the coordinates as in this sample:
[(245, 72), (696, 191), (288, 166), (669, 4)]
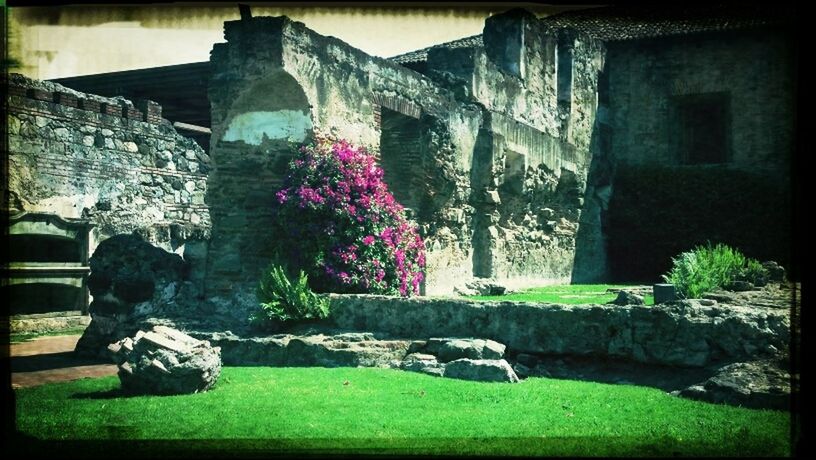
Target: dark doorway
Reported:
[(703, 121), (400, 156)]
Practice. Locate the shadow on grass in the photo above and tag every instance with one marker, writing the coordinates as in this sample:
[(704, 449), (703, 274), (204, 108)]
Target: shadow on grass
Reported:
[(105, 394), (49, 361), (377, 447)]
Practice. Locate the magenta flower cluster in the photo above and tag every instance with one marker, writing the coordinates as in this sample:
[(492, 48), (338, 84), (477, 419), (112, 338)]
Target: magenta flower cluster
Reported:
[(339, 222)]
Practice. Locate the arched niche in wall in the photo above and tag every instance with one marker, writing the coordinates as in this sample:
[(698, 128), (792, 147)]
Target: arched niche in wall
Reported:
[(266, 117), (274, 109)]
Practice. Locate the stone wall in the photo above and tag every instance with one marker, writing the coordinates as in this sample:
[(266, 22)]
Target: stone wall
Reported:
[(343, 91), (119, 165), (686, 333), (530, 168), (661, 204), (754, 69)]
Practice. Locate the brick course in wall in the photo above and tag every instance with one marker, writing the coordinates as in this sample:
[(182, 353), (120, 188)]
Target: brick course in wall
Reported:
[(85, 156)]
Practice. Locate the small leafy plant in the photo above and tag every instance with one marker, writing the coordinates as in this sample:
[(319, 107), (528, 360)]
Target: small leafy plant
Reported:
[(281, 300), (708, 267)]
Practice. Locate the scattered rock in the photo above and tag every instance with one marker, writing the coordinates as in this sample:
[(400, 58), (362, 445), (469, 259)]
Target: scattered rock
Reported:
[(450, 349), (740, 286), (763, 384), (627, 298), (776, 273), (664, 293), (720, 296), (481, 287), (483, 370), (166, 361), (418, 362), (637, 290)]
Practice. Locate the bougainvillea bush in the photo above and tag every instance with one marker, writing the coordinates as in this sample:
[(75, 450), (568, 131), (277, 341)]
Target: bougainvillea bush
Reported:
[(339, 223)]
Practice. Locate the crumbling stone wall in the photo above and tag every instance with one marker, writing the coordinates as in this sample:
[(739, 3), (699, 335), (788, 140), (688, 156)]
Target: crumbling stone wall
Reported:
[(688, 333), (113, 162), (343, 91), (494, 175), (531, 167)]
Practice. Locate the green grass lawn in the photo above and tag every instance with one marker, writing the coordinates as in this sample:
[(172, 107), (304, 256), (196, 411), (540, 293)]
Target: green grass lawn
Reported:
[(568, 293), (368, 410)]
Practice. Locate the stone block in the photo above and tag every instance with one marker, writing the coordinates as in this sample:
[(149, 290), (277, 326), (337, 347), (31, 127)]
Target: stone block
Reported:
[(664, 293)]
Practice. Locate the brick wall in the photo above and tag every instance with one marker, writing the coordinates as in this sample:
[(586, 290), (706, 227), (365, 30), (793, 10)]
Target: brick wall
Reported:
[(109, 160)]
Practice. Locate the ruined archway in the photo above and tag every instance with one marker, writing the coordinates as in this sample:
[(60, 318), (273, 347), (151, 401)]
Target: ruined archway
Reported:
[(251, 149)]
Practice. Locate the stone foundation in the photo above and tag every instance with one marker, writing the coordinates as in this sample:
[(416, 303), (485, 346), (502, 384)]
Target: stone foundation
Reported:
[(685, 333)]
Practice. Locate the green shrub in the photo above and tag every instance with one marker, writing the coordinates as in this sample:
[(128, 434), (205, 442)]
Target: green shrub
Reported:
[(281, 300), (705, 268)]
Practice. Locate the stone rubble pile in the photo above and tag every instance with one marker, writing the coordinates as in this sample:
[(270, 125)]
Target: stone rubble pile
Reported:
[(164, 360), (461, 358)]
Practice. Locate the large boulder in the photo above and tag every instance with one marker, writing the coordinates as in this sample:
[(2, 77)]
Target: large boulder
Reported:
[(763, 384), (482, 370), (131, 280), (450, 349), (164, 360)]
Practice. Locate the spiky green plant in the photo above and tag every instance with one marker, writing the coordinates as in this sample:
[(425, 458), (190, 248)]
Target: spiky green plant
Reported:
[(708, 267), (281, 300)]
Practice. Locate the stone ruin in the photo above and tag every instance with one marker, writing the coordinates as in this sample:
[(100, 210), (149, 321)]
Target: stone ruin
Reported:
[(165, 361), (500, 145)]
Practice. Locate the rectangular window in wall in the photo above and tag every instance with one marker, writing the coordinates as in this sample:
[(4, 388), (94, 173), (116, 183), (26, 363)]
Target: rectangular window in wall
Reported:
[(563, 71), (702, 125)]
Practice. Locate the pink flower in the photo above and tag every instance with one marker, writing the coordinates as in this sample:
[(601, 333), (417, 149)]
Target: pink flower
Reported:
[(341, 202)]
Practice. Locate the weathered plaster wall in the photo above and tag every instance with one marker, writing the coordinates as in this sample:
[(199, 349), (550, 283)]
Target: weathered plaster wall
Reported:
[(530, 174), (124, 169)]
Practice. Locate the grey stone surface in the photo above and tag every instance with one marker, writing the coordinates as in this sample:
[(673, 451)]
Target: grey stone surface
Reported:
[(664, 292), (164, 360), (424, 363), (627, 298), (685, 333), (740, 286), (776, 273), (482, 287), (483, 370), (764, 384), (449, 349), (310, 349)]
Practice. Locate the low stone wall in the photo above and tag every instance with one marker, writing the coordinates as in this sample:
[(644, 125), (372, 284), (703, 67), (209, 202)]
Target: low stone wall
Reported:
[(32, 324), (685, 333)]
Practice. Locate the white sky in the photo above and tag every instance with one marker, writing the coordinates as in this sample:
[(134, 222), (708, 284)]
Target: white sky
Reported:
[(67, 41)]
